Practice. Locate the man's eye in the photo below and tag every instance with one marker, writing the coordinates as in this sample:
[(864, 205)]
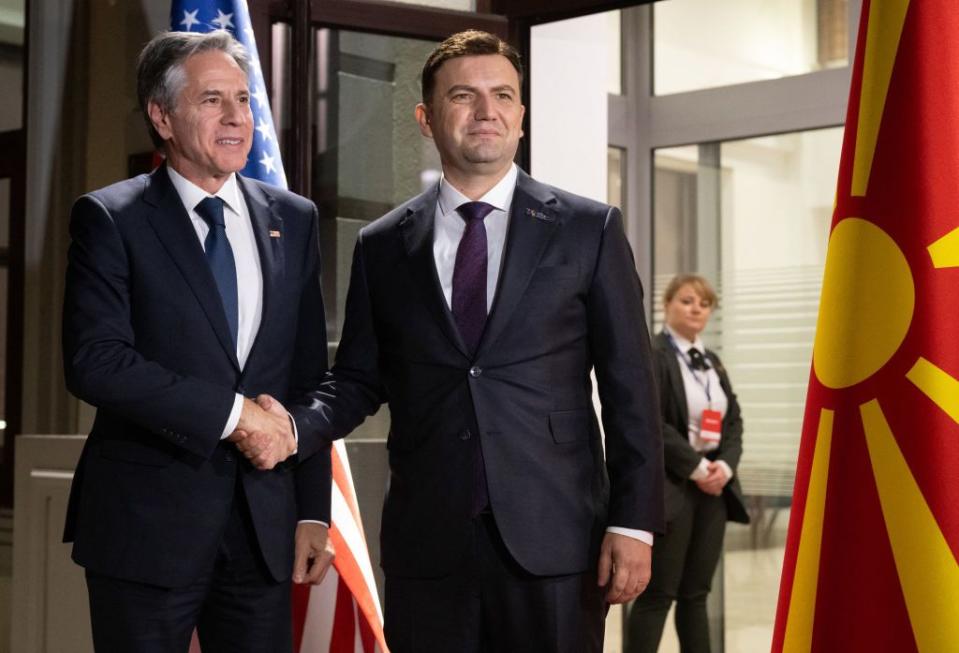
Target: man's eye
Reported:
[(244, 100)]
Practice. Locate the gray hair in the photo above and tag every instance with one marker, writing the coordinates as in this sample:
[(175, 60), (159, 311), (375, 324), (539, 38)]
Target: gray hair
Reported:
[(160, 75)]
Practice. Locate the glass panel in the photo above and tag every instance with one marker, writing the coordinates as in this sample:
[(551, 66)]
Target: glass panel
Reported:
[(368, 155), (616, 175), (773, 196), (12, 19), (703, 43), (280, 87), (614, 52)]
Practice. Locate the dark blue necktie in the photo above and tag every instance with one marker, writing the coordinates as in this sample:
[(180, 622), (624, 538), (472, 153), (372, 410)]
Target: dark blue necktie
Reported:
[(219, 255), (469, 274), (469, 312)]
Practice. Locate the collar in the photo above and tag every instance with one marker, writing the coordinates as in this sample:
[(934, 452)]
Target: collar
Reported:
[(499, 196), (683, 344), (191, 194)]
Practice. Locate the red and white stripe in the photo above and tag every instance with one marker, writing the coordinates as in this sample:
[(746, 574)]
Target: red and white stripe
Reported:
[(342, 614)]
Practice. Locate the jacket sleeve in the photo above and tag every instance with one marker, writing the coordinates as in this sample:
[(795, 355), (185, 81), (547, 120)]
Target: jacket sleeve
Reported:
[(313, 473), (619, 342), (352, 391), (731, 449), (101, 363)]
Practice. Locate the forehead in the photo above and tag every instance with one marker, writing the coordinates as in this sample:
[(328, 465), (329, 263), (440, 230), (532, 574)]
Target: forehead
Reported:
[(213, 68), (477, 70), (688, 289)]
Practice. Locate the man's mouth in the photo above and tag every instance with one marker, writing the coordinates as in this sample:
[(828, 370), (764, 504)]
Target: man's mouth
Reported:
[(229, 141)]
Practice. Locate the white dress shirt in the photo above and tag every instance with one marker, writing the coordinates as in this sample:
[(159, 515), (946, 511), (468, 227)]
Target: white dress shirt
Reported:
[(448, 228), (249, 274), (703, 390)]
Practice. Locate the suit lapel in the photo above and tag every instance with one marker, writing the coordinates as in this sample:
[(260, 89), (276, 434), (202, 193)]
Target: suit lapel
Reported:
[(417, 232), (270, 249), (532, 222), (172, 225)]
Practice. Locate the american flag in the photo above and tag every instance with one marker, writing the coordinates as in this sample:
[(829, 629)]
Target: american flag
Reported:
[(342, 614), (264, 162)]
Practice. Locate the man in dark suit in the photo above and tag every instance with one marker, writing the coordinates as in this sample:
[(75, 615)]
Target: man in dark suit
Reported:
[(478, 310), (188, 291)]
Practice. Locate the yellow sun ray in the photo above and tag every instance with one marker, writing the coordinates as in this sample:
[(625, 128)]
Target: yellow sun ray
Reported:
[(928, 572), (802, 601), (945, 251), (938, 385), (882, 43)]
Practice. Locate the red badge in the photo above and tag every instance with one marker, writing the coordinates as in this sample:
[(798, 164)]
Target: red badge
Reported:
[(711, 426)]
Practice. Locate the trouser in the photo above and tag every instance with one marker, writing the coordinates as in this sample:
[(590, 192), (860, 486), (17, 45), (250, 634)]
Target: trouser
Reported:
[(492, 605), (684, 561)]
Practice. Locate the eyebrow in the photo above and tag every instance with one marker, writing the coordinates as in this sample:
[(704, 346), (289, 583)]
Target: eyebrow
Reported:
[(472, 89)]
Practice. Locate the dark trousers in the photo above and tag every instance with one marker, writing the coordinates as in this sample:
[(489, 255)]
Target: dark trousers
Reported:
[(236, 607), (492, 605), (684, 561)]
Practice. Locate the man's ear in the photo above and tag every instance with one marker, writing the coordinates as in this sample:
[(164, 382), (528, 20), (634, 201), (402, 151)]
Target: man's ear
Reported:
[(160, 120), (423, 120)]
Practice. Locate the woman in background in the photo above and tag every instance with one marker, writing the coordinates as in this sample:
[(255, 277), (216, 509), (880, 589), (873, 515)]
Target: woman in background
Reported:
[(702, 436)]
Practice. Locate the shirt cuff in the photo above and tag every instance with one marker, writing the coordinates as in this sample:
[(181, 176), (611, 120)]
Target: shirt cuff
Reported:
[(636, 534), (726, 468), (234, 418), (313, 521), (296, 437), (701, 471)]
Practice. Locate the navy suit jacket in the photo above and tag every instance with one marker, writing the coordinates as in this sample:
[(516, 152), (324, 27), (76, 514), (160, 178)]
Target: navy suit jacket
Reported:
[(146, 341), (568, 300)]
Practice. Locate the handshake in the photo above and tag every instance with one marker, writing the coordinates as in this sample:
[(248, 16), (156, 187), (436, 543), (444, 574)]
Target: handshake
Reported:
[(264, 433)]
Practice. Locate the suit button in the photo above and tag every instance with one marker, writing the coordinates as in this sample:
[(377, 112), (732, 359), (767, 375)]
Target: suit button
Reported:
[(476, 371), (466, 435), (241, 390), (229, 457)]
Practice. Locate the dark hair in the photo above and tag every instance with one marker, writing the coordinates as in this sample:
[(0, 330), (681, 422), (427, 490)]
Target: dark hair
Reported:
[(699, 284), (465, 44), (160, 75)]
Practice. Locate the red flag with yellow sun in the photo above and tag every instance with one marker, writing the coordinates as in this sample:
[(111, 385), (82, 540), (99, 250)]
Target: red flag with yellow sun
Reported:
[(874, 535)]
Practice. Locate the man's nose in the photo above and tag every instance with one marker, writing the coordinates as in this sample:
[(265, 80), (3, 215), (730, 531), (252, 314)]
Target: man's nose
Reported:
[(484, 107), (234, 113)]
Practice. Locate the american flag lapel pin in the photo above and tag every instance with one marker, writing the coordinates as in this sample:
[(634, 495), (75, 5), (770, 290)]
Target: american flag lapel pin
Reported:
[(274, 233)]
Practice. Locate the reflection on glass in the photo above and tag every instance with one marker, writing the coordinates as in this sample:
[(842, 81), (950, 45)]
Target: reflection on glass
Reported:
[(775, 199), (703, 43)]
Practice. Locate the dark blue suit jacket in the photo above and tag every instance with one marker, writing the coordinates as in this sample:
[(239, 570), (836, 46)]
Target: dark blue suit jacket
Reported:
[(568, 300), (145, 340)]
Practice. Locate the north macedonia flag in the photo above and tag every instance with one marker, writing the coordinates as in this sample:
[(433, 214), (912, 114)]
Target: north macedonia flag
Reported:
[(874, 534)]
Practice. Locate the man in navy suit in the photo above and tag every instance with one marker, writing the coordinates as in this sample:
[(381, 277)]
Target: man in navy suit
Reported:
[(478, 310), (189, 291)]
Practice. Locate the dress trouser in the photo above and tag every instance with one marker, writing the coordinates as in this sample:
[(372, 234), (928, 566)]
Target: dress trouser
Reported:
[(684, 561), (236, 606), (492, 605)]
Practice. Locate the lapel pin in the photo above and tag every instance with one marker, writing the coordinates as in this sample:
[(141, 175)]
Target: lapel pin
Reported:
[(274, 233), (539, 215)]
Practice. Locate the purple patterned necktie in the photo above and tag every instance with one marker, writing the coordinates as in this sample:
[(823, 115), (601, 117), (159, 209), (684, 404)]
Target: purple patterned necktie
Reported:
[(469, 312), (469, 274)]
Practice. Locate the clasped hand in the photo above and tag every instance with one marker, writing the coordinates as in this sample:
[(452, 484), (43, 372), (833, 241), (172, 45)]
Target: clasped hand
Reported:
[(714, 483), (264, 433)]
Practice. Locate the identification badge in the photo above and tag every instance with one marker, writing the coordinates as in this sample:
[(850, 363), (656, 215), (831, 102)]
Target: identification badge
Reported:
[(711, 426)]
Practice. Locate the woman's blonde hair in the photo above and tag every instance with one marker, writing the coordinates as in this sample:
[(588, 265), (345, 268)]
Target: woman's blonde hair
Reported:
[(702, 287)]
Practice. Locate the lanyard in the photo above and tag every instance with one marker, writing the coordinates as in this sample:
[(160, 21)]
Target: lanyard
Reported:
[(682, 355)]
